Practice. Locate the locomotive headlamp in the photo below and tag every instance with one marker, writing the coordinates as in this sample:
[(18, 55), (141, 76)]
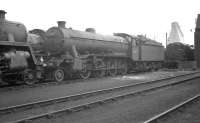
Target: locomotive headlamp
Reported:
[(44, 65), (41, 59)]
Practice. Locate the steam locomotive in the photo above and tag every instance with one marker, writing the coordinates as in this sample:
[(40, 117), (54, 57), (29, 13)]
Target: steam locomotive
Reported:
[(62, 52), (17, 62)]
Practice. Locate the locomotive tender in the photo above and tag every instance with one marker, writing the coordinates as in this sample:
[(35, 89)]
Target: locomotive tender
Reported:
[(64, 52)]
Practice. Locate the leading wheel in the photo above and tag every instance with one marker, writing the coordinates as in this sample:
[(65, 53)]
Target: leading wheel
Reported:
[(59, 75), (29, 77)]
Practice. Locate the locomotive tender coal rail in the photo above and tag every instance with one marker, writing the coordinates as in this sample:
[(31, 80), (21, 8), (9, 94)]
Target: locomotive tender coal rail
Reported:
[(91, 98), (159, 117)]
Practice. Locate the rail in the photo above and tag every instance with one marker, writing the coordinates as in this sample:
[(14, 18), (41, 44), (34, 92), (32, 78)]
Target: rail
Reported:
[(173, 109), (90, 104)]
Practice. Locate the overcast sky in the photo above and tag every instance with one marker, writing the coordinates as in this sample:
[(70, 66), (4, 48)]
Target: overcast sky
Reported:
[(150, 17)]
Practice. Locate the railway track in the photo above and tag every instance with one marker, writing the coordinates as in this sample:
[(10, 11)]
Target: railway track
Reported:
[(73, 103), (157, 118)]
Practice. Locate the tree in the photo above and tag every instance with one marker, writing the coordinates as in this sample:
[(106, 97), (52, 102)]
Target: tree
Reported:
[(179, 52)]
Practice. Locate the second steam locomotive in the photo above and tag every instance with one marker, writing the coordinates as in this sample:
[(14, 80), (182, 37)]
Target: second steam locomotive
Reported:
[(62, 52)]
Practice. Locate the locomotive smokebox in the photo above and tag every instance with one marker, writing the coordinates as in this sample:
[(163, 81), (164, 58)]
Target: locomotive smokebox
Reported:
[(61, 24), (197, 41), (2, 14)]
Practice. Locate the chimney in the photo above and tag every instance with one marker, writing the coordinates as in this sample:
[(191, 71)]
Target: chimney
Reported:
[(2, 14), (61, 24)]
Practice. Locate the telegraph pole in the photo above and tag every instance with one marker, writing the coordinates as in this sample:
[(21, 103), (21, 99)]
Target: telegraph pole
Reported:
[(197, 42), (166, 39)]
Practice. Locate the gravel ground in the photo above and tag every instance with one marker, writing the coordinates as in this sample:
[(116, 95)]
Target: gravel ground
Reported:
[(189, 114), (43, 93), (59, 106), (134, 109)]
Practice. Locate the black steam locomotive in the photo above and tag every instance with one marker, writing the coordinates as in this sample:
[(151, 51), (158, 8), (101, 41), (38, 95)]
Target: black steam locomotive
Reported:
[(17, 62), (62, 52)]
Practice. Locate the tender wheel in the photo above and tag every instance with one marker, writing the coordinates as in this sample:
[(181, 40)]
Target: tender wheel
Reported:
[(153, 67), (123, 69), (59, 75)]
